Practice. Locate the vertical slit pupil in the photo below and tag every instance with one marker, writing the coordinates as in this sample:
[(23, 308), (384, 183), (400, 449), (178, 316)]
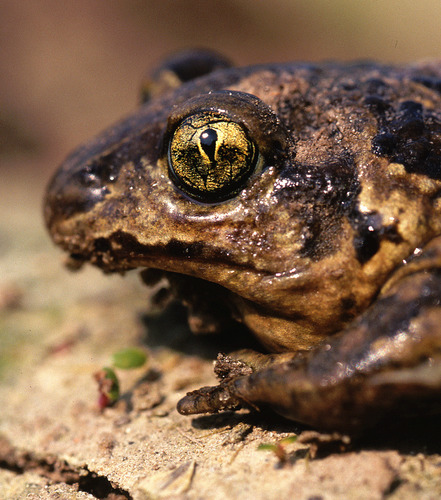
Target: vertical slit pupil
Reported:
[(208, 140)]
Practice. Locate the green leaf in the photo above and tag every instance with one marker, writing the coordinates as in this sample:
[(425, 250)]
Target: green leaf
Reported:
[(267, 446), (289, 439), (129, 358)]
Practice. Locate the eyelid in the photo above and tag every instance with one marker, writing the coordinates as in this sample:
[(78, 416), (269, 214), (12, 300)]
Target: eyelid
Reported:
[(272, 141)]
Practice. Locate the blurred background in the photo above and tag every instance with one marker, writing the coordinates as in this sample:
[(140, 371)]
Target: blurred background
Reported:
[(68, 69), (71, 68)]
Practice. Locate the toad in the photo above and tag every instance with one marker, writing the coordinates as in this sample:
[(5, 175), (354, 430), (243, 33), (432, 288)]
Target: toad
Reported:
[(301, 199)]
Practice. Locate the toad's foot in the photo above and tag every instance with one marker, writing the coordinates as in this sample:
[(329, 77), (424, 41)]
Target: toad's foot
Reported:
[(386, 364)]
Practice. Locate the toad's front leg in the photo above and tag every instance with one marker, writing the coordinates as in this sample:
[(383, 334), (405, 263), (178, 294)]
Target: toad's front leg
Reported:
[(386, 364)]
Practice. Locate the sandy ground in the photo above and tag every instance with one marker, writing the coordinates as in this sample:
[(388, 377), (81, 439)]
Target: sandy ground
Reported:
[(58, 328), (69, 69)]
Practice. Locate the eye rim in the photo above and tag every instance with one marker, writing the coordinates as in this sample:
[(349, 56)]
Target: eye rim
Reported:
[(262, 128), (228, 189)]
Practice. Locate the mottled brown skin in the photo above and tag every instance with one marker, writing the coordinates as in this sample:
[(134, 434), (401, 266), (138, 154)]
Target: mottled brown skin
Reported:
[(329, 253)]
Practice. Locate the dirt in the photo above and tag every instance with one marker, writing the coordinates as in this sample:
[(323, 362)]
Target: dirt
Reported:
[(58, 328), (69, 70)]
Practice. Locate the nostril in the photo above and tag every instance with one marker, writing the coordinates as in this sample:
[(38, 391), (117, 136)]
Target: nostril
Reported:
[(83, 181), (88, 178), (98, 173)]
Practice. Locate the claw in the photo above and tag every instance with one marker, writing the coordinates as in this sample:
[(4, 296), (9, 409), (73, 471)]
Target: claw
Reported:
[(208, 400)]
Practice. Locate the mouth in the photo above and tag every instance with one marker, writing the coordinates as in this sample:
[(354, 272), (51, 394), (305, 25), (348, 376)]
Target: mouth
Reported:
[(210, 307)]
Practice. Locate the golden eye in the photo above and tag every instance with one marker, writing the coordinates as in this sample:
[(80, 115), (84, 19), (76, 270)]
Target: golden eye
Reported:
[(211, 157)]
